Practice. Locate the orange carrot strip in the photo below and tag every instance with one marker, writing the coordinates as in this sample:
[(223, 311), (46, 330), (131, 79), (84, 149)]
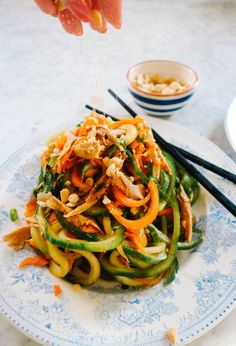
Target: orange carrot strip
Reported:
[(144, 221), (33, 244), (135, 243), (66, 157), (57, 290), (33, 261), (123, 200), (75, 131), (121, 122), (90, 229), (134, 144), (76, 180), (44, 160), (52, 218), (30, 207), (138, 240), (61, 162), (61, 140), (58, 167), (70, 163)]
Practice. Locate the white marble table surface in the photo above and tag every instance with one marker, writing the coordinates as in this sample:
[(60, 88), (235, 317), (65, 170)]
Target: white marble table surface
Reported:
[(46, 76)]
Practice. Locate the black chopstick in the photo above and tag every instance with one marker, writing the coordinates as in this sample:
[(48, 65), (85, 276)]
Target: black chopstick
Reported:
[(198, 160), (206, 164), (185, 163), (100, 112)]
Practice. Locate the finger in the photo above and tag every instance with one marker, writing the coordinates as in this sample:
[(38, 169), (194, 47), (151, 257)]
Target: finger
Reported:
[(47, 6), (112, 11), (98, 22), (70, 23), (82, 9)]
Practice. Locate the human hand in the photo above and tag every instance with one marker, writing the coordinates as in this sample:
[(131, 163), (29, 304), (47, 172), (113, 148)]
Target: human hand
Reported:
[(72, 13)]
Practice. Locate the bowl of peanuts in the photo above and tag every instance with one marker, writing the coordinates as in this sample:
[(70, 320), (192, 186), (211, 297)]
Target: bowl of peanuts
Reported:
[(161, 87)]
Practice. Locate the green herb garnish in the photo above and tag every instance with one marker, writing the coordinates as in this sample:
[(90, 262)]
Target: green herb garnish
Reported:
[(13, 215)]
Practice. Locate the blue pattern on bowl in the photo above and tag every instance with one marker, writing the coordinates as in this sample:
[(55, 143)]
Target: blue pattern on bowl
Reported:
[(170, 110), (168, 102)]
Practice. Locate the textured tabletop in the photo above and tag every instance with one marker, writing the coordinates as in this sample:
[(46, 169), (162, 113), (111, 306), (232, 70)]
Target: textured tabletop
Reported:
[(46, 76)]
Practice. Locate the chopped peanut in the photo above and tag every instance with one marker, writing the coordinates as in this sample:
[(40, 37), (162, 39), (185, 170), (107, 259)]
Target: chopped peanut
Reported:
[(106, 200), (64, 194), (73, 198), (77, 287), (171, 335), (158, 85)]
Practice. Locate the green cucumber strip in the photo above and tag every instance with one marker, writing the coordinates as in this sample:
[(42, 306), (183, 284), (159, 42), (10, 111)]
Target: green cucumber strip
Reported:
[(73, 229), (97, 211), (172, 180), (141, 256), (128, 281), (139, 173), (192, 244), (164, 225), (136, 262), (172, 272), (83, 278), (157, 235), (72, 244), (165, 180), (38, 239)]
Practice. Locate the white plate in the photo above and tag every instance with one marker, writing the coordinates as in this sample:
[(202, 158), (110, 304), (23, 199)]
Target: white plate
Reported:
[(203, 293), (230, 124)]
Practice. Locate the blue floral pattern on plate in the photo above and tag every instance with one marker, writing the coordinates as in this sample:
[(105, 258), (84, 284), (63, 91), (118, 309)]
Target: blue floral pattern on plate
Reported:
[(202, 294)]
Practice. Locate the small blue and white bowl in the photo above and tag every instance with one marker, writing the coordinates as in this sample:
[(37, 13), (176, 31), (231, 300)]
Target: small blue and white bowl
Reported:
[(158, 104)]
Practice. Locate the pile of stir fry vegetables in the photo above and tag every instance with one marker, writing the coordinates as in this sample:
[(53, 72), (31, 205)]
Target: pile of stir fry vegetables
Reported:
[(109, 203)]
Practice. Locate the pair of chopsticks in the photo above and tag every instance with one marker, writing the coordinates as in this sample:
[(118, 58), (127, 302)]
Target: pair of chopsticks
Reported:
[(182, 156)]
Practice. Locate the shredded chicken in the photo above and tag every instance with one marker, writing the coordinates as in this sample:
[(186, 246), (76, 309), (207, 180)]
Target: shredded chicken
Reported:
[(113, 139), (125, 184), (88, 148), (118, 162), (83, 221), (186, 213), (18, 238), (156, 154), (50, 201)]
